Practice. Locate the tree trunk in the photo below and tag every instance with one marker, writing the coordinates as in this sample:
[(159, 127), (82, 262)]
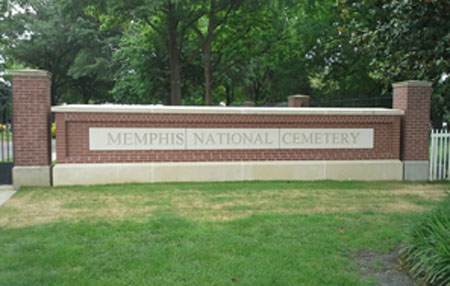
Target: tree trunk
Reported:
[(53, 88), (229, 91), (86, 94), (174, 60), (207, 53), (175, 73), (270, 100), (208, 73)]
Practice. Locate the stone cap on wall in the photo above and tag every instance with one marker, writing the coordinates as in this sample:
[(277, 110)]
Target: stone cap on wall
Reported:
[(30, 72), (160, 109), (412, 83)]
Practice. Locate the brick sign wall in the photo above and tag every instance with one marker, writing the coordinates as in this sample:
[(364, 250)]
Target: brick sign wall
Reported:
[(74, 127), (103, 144)]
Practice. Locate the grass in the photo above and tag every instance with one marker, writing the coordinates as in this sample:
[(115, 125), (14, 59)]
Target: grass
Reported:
[(427, 247), (260, 233)]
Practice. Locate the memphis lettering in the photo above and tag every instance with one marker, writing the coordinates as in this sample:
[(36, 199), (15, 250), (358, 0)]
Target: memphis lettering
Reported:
[(232, 138)]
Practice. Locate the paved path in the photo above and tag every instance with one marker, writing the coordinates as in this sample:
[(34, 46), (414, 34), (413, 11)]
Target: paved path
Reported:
[(6, 191)]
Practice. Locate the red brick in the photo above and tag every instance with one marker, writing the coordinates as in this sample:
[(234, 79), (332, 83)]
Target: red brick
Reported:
[(31, 103), (415, 101), (73, 137)]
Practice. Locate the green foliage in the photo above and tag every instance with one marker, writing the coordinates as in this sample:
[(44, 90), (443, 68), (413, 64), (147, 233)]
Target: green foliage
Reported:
[(427, 248), (53, 130), (141, 70), (344, 53), (5, 135), (403, 40), (67, 42), (5, 101), (408, 40)]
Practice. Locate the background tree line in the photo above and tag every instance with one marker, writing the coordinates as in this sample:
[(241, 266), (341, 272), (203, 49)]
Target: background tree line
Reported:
[(342, 53)]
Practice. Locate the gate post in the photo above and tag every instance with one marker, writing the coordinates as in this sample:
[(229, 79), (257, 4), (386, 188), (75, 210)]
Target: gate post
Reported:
[(414, 97), (31, 123)]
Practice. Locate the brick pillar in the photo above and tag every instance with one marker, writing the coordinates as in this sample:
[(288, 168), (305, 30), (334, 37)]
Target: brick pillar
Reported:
[(32, 120), (298, 100), (414, 97)]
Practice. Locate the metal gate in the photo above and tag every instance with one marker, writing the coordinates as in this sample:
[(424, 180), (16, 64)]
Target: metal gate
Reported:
[(6, 137), (440, 155)]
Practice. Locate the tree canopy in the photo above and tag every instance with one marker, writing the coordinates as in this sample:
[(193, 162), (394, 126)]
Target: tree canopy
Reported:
[(342, 53), (405, 40)]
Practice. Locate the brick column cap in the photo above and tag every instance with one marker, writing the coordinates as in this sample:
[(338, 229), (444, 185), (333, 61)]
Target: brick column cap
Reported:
[(30, 72), (412, 83), (299, 96)]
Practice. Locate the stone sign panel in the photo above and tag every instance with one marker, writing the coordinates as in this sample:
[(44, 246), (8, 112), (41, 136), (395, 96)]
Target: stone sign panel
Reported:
[(229, 138)]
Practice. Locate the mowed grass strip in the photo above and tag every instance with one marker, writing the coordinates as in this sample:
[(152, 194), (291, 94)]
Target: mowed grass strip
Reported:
[(214, 201), (259, 233)]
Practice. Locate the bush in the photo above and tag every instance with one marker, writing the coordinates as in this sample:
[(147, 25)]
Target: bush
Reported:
[(426, 252), (53, 130)]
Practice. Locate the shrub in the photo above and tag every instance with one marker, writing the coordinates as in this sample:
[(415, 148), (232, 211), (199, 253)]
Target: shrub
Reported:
[(53, 130), (426, 252)]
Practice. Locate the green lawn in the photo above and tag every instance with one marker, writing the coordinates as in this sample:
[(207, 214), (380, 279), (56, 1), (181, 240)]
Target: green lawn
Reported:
[(260, 233)]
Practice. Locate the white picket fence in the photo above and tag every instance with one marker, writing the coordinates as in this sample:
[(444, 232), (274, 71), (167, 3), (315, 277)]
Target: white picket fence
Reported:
[(439, 155)]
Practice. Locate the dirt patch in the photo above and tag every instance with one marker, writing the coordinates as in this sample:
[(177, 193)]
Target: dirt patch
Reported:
[(31, 212), (401, 206), (430, 192), (384, 268)]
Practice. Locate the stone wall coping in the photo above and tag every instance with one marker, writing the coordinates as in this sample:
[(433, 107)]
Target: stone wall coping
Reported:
[(30, 72), (159, 109), (412, 83)]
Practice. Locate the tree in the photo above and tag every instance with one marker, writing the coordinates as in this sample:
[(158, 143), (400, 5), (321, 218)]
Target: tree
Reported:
[(408, 39), (44, 34), (338, 74), (168, 19), (141, 68), (216, 15), (234, 38), (405, 39)]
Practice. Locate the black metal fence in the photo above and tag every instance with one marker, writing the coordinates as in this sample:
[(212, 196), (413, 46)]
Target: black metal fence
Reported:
[(378, 101), (6, 139)]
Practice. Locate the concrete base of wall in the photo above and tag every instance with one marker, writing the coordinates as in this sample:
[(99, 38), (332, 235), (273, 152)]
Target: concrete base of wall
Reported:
[(89, 174), (36, 176), (416, 170)]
